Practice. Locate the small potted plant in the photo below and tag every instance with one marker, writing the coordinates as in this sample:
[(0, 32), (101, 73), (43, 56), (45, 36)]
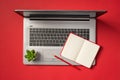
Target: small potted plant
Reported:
[(31, 55)]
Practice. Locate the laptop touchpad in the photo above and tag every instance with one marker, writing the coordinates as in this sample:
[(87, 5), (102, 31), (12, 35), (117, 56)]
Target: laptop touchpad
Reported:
[(49, 54)]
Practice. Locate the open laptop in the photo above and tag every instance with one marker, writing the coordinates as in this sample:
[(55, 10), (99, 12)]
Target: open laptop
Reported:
[(47, 31)]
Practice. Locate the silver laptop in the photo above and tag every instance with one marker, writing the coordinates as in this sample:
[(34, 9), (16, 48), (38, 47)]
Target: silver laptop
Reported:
[(47, 31)]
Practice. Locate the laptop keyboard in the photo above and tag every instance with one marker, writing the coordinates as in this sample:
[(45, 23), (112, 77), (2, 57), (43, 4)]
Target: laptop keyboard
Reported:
[(53, 36)]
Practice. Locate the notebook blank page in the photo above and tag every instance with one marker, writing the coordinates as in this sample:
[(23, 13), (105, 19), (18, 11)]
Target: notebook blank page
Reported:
[(87, 53), (72, 47)]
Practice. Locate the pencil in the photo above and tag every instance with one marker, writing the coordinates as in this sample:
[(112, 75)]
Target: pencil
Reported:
[(66, 62)]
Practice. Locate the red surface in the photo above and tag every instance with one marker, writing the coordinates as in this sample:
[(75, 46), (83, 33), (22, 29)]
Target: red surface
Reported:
[(108, 36)]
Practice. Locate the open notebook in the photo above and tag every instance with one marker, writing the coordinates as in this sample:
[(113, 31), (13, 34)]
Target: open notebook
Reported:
[(80, 50)]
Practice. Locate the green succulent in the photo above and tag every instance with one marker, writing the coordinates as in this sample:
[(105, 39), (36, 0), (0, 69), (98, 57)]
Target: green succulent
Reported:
[(31, 55)]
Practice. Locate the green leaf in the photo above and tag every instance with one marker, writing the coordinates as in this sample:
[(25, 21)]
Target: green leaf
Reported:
[(29, 59), (28, 52), (33, 51)]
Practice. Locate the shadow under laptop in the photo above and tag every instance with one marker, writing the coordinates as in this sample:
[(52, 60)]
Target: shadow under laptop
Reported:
[(104, 36)]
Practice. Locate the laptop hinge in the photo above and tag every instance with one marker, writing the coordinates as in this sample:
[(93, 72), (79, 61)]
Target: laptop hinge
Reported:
[(59, 17)]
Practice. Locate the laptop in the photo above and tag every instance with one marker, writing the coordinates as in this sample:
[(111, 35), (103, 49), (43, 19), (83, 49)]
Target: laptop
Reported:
[(46, 32)]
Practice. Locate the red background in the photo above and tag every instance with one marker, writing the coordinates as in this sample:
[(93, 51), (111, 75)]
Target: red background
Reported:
[(11, 40)]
